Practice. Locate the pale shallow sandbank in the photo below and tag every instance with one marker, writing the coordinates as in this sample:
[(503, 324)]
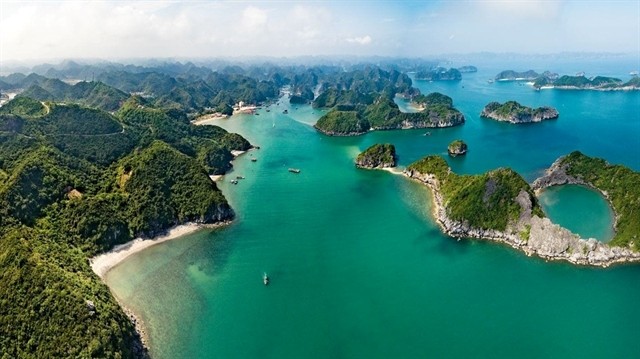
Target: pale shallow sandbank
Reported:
[(208, 119), (103, 263)]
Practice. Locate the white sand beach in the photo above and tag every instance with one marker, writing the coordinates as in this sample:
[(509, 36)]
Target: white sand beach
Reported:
[(102, 263), (206, 119)]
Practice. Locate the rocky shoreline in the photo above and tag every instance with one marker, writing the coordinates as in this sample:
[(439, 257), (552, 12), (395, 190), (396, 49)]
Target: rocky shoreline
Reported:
[(513, 112), (531, 234), (377, 156), (141, 344)]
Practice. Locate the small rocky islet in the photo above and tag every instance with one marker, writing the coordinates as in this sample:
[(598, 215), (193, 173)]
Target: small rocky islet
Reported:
[(513, 112), (457, 148), (377, 156)]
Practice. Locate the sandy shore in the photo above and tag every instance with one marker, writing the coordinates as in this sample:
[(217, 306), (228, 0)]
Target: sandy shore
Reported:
[(102, 263), (393, 170), (208, 118)]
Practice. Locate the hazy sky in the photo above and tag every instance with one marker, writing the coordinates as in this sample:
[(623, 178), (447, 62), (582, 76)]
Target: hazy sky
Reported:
[(131, 29)]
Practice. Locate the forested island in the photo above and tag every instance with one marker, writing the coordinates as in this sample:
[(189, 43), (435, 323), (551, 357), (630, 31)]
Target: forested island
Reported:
[(510, 75), (602, 83), (377, 156), (355, 113), (500, 205), (513, 112), (441, 74), (457, 148)]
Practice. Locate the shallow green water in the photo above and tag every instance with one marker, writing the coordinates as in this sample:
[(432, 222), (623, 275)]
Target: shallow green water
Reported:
[(358, 267), (579, 209)]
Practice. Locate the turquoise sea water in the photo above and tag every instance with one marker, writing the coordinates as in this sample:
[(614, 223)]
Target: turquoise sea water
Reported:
[(579, 209), (358, 266)]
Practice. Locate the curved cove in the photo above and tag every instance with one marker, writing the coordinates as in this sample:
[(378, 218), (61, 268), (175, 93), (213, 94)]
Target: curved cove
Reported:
[(579, 209)]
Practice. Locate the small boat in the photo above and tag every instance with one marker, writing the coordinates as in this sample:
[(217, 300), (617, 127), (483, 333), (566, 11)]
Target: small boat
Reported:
[(254, 159), (294, 170), (633, 73), (265, 279), (268, 110), (285, 111), (239, 177), (234, 181), (257, 114), (490, 81), (256, 147), (427, 134)]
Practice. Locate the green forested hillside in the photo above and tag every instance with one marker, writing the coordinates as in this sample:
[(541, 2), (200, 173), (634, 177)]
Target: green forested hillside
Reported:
[(486, 201), (383, 114), (24, 107), (74, 182), (93, 94), (52, 305), (621, 185)]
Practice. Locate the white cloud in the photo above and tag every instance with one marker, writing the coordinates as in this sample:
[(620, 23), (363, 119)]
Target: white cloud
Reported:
[(116, 29), (363, 40), (254, 19)]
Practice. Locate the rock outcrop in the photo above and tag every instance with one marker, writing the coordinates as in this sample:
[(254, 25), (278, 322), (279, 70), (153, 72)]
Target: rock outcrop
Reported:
[(457, 148), (439, 74), (510, 75), (513, 112), (530, 233), (377, 156)]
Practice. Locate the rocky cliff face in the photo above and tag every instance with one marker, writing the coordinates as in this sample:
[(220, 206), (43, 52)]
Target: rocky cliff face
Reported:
[(510, 75), (554, 176), (532, 234), (457, 148), (377, 156), (513, 112)]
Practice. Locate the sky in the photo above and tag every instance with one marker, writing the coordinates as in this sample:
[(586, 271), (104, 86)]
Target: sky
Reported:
[(44, 30)]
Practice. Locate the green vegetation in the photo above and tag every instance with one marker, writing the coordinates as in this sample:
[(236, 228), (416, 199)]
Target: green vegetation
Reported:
[(581, 82), (93, 94), (384, 114), (457, 147), (433, 99), (621, 186), (514, 112), (486, 201), (362, 87), (378, 155), (439, 74), (76, 181), (337, 122), (52, 305), (510, 75), (526, 233), (24, 107), (165, 187)]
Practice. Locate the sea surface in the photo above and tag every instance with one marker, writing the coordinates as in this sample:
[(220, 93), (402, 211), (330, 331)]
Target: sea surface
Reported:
[(358, 266)]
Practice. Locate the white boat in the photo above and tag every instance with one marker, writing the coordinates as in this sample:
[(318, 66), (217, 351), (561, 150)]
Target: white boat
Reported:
[(265, 279)]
